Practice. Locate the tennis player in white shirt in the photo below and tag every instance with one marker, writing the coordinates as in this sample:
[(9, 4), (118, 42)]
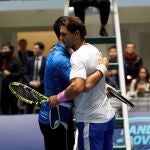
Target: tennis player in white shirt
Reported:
[(95, 118)]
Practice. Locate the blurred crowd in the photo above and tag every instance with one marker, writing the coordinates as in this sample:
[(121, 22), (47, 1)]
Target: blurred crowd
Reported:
[(27, 66), (22, 65), (136, 74), (137, 77)]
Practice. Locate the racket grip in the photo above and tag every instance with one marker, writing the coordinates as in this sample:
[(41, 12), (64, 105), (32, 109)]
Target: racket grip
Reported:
[(102, 68), (61, 97)]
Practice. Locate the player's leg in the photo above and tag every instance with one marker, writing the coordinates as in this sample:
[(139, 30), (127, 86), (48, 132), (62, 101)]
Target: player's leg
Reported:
[(91, 136), (70, 134), (80, 127), (96, 135), (101, 135), (108, 136), (54, 139), (48, 136)]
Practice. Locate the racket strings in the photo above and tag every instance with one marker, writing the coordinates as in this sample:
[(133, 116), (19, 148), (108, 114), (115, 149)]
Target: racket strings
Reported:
[(25, 93), (40, 97)]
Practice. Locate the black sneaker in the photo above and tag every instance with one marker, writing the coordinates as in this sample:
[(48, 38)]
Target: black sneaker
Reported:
[(103, 32)]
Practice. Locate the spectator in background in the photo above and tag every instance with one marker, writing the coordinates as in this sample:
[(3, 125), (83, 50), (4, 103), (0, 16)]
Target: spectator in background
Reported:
[(140, 85), (132, 62), (24, 54), (102, 5), (112, 77), (112, 74), (35, 71), (11, 71)]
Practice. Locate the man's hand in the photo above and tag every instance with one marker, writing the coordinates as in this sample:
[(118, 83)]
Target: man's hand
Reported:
[(35, 83), (104, 61), (103, 65), (53, 101), (6, 72)]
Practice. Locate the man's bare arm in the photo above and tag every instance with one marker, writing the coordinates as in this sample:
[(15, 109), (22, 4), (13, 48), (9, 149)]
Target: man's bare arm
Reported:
[(94, 78), (76, 87), (79, 85)]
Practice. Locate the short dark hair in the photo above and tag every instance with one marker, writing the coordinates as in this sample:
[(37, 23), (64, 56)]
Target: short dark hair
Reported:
[(23, 40), (11, 47), (112, 47), (40, 44), (73, 23), (57, 25)]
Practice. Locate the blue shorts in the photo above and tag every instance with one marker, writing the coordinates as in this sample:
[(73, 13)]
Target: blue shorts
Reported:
[(96, 136)]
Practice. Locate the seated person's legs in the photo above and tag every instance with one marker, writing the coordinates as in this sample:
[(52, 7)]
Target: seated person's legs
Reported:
[(104, 10), (103, 7), (80, 12)]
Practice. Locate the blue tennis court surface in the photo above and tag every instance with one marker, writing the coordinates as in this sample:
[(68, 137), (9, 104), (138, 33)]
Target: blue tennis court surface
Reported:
[(20, 132)]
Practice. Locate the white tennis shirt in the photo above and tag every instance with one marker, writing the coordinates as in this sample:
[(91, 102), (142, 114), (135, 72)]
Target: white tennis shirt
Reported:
[(92, 106)]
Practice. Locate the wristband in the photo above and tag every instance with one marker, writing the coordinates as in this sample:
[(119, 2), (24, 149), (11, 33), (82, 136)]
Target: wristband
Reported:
[(102, 68), (61, 97)]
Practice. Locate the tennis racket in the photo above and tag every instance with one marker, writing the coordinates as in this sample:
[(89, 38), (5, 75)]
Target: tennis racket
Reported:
[(116, 94), (27, 94), (31, 96)]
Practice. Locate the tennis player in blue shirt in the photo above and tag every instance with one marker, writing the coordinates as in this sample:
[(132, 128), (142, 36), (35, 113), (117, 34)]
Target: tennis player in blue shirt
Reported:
[(58, 135)]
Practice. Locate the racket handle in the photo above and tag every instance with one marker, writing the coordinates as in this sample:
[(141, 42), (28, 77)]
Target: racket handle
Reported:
[(61, 97)]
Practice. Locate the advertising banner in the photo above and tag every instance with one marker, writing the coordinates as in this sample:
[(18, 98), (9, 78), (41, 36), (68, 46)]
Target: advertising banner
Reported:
[(139, 131)]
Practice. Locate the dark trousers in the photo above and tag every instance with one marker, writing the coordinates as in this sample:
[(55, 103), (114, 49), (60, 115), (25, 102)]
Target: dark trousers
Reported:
[(59, 138), (8, 101), (102, 6), (9, 106), (29, 108)]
